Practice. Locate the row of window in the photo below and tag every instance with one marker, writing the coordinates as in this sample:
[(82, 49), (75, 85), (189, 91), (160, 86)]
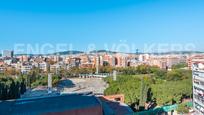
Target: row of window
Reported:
[(198, 91), (198, 82), (199, 98), (199, 108), (198, 74)]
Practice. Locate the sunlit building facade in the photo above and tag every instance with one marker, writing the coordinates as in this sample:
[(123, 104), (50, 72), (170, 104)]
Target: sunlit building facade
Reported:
[(198, 85)]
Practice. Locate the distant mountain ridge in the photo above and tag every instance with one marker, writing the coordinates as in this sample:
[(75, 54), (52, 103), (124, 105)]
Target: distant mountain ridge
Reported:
[(178, 52), (56, 53), (113, 52), (103, 51), (67, 52)]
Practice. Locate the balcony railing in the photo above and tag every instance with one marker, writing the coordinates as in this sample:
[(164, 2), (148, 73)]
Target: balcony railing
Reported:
[(199, 83), (198, 74), (199, 98), (199, 108)]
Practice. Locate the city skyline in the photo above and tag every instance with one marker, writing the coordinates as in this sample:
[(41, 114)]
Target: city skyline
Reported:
[(102, 57), (80, 23)]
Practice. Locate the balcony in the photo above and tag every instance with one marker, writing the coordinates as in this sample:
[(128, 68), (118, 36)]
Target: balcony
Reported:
[(199, 99), (198, 74), (198, 83), (199, 108)]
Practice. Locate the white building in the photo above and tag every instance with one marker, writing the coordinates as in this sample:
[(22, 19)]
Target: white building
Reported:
[(8, 61), (2, 69), (43, 66), (26, 68), (198, 85), (56, 67), (7, 53)]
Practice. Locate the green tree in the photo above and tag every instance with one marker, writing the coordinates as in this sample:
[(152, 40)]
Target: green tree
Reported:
[(182, 108), (165, 86), (10, 88), (179, 66)]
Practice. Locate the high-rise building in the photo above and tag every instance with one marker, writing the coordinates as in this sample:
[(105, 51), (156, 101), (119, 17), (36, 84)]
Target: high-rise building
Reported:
[(7, 53), (198, 85)]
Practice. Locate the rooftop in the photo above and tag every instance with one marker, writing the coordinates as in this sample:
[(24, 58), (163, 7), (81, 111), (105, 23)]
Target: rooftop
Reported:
[(55, 104)]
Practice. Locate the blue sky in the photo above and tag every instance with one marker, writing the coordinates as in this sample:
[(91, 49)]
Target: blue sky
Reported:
[(99, 22)]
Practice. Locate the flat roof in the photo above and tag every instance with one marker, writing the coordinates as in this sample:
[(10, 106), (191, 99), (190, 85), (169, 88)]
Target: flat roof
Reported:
[(42, 105)]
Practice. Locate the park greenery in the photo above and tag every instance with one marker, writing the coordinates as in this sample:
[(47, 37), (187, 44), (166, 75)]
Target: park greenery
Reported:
[(11, 88), (13, 84), (179, 66), (141, 85), (183, 108), (37, 78), (150, 84)]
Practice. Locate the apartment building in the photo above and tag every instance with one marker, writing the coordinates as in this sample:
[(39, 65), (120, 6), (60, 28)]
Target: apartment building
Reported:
[(44, 66), (57, 66), (109, 59), (120, 60), (189, 60), (23, 58), (161, 62), (166, 61), (26, 68), (7, 53), (88, 61), (2, 69), (198, 85)]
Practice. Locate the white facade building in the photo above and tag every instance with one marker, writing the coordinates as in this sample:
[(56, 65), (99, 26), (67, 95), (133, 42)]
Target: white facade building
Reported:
[(44, 66), (198, 85), (26, 68)]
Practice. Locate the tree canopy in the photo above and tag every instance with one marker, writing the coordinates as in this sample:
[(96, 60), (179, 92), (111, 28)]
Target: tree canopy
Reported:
[(146, 84)]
